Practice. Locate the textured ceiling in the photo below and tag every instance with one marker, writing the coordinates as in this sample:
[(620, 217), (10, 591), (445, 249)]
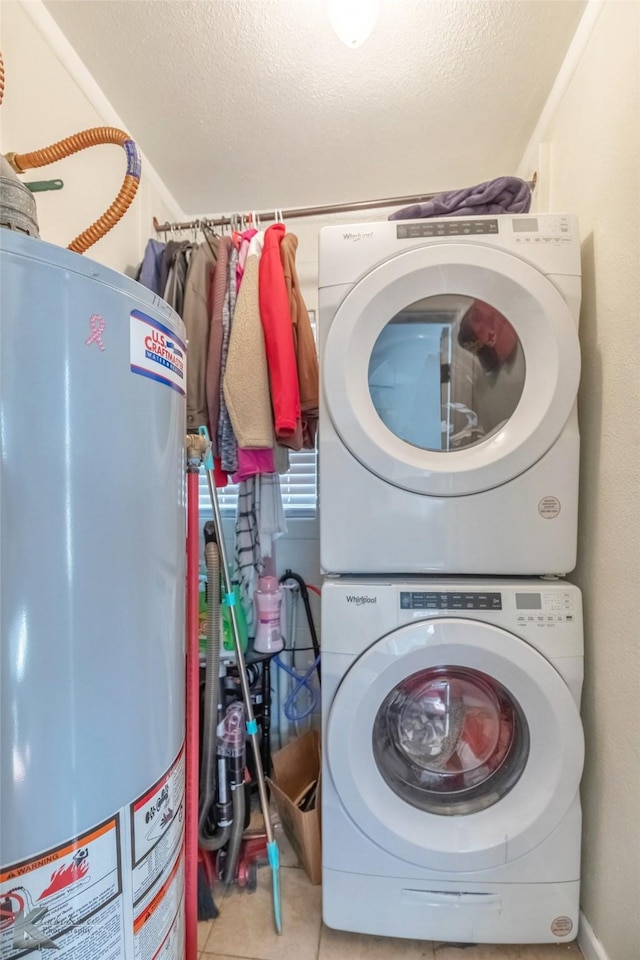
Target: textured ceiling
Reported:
[(247, 104)]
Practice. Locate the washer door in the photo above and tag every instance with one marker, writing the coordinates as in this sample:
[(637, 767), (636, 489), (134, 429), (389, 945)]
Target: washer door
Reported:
[(454, 745), (451, 369)]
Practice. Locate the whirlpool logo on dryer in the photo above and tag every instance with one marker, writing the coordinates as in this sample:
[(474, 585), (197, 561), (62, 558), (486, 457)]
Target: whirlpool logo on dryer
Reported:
[(357, 236), (362, 600)]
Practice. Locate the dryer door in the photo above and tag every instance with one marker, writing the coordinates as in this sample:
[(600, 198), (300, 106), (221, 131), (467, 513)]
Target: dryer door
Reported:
[(451, 369), (455, 745)]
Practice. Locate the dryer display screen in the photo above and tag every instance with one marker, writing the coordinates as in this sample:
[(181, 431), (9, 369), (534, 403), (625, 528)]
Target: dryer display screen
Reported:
[(526, 225), (450, 601), (528, 601), (445, 228)]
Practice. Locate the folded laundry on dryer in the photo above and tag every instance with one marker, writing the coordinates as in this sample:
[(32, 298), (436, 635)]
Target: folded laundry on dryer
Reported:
[(502, 195)]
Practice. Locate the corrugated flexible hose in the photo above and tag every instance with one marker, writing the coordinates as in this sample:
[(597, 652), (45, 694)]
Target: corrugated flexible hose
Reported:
[(82, 141)]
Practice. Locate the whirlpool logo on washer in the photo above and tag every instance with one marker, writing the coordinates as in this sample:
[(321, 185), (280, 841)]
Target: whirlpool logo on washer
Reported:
[(362, 600), (357, 236)]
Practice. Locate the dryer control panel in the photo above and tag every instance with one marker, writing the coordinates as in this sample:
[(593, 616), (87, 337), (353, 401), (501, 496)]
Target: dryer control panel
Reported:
[(420, 600)]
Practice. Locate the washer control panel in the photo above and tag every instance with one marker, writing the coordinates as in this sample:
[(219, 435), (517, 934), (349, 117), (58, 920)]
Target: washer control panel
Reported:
[(421, 600), (545, 608), (528, 609)]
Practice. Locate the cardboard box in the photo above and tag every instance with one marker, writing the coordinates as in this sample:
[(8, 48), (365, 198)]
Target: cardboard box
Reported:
[(295, 787)]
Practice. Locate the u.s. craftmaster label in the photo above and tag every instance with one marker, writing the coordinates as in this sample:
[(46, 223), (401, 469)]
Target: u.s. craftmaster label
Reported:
[(156, 352)]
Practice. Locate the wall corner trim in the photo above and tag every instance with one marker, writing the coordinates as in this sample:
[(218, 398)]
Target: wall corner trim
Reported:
[(75, 67), (560, 86), (591, 947)]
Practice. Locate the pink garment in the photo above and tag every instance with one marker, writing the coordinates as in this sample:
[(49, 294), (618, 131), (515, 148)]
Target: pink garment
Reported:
[(243, 252), (251, 462)]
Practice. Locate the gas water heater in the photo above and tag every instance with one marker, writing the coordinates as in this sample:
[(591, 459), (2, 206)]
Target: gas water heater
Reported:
[(92, 533)]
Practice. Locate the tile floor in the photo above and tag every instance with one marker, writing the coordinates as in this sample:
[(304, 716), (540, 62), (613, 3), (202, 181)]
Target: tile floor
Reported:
[(244, 930)]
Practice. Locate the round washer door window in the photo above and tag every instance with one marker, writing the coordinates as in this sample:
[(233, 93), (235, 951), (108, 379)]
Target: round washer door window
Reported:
[(450, 740)]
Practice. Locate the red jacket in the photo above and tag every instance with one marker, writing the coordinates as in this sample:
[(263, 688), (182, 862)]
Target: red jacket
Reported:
[(278, 335)]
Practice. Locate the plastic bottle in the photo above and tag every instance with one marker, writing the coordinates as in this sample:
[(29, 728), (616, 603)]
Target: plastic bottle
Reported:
[(268, 598)]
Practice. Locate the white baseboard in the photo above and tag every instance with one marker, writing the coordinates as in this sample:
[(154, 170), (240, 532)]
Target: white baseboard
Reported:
[(591, 947)]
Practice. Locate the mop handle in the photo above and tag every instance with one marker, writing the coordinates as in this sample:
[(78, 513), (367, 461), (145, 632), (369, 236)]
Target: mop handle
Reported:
[(252, 727)]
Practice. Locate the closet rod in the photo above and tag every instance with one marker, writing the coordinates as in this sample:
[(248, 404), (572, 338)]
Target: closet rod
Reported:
[(307, 211)]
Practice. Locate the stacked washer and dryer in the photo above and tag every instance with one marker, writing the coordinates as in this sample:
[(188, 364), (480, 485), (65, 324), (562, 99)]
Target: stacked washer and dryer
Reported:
[(452, 650)]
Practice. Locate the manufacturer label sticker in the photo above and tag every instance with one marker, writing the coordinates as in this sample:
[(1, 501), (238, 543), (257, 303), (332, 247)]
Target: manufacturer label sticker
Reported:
[(562, 926), (549, 508), (156, 352)]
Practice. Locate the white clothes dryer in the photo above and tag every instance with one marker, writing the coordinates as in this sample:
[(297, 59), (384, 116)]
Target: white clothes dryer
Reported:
[(452, 756), (450, 365)]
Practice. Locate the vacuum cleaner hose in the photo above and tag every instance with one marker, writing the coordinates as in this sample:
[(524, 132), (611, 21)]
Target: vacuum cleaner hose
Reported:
[(208, 839), (238, 797)]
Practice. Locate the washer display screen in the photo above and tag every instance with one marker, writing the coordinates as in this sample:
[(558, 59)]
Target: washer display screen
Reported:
[(528, 601)]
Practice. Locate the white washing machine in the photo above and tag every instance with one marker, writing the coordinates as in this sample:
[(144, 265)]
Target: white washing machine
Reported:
[(453, 751), (450, 366)]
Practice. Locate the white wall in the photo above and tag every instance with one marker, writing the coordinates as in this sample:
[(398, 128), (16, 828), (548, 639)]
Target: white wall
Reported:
[(44, 103), (592, 151)]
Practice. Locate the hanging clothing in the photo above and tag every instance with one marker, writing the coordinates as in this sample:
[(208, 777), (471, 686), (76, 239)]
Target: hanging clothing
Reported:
[(227, 444), (243, 253), (151, 267), (217, 295), (281, 459), (251, 462), (175, 261), (197, 323), (276, 323), (259, 521), (247, 560), (271, 519), (304, 342), (246, 378)]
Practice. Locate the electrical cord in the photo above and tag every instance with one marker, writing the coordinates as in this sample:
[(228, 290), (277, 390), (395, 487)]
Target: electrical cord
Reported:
[(302, 683), (304, 593)]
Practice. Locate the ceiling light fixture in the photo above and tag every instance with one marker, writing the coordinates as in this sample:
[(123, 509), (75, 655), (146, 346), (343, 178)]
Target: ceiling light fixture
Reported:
[(353, 20)]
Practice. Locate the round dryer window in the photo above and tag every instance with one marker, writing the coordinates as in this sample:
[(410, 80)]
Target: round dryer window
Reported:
[(446, 372), (450, 740), (451, 369)]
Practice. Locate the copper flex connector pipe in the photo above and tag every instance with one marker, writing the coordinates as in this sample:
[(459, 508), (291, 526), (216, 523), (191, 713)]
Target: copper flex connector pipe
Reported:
[(81, 141)]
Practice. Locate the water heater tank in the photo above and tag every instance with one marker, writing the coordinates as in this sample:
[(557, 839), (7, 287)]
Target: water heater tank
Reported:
[(92, 533)]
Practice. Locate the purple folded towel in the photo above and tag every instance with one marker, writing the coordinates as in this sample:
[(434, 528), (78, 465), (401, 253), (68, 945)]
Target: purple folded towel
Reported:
[(502, 195)]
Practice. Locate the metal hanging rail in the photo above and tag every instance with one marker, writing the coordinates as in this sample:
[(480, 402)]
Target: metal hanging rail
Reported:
[(297, 212)]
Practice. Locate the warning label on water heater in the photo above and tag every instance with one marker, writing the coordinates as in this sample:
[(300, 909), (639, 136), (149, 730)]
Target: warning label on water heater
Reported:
[(156, 352), (115, 892), (65, 898)]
